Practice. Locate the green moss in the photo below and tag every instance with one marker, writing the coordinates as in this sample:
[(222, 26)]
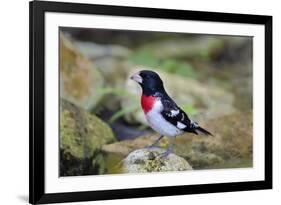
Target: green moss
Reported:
[(170, 65), (113, 163), (144, 57), (81, 137), (190, 109), (178, 67)]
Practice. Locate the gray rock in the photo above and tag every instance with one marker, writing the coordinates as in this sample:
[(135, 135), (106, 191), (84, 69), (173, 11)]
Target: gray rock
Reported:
[(124, 147), (148, 160), (114, 70), (79, 78), (94, 51), (111, 60), (202, 160), (190, 47)]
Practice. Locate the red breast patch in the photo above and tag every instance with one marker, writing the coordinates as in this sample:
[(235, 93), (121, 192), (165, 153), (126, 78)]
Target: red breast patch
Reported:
[(147, 102)]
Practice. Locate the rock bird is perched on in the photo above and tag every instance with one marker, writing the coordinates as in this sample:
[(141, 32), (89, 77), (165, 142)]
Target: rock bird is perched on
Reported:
[(161, 112)]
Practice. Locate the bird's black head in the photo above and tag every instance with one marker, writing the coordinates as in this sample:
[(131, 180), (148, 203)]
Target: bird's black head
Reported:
[(149, 81)]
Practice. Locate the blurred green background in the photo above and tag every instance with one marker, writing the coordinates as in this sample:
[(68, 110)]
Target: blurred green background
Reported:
[(101, 122)]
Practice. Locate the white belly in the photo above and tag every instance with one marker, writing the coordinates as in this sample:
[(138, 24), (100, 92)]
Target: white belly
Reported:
[(160, 125)]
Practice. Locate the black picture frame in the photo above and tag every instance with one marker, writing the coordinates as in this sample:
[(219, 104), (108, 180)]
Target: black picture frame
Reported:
[(37, 9)]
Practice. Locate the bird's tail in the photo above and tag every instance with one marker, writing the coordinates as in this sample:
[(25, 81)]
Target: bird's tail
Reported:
[(201, 130)]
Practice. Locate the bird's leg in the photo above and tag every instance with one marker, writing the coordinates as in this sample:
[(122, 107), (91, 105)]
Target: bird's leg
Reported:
[(170, 148), (156, 142)]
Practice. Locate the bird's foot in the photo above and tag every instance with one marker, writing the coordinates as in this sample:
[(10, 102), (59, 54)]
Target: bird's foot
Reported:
[(166, 153), (153, 146)]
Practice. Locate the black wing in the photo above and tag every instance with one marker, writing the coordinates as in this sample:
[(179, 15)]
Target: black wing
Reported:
[(176, 116)]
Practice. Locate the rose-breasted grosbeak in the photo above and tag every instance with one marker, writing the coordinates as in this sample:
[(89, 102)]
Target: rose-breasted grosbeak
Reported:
[(161, 112)]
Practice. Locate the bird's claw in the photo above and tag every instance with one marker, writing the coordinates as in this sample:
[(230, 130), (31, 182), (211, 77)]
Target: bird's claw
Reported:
[(151, 146), (166, 153)]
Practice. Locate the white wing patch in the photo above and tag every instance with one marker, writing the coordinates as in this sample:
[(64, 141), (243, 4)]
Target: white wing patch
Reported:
[(182, 116), (181, 125), (173, 113), (195, 124)]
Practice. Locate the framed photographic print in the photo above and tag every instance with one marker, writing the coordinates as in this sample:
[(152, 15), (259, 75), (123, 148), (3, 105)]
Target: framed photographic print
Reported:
[(140, 102)]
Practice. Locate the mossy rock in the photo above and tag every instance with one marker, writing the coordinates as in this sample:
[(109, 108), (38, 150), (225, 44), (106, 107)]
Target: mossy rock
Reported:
[(149, 160), (81, 138), (230, 147)]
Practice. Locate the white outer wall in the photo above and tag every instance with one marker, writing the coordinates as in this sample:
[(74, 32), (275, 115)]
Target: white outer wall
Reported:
[(14, 101)]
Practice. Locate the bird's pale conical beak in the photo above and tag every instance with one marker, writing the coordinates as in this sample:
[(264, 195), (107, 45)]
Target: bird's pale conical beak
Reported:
[(136, 77)]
